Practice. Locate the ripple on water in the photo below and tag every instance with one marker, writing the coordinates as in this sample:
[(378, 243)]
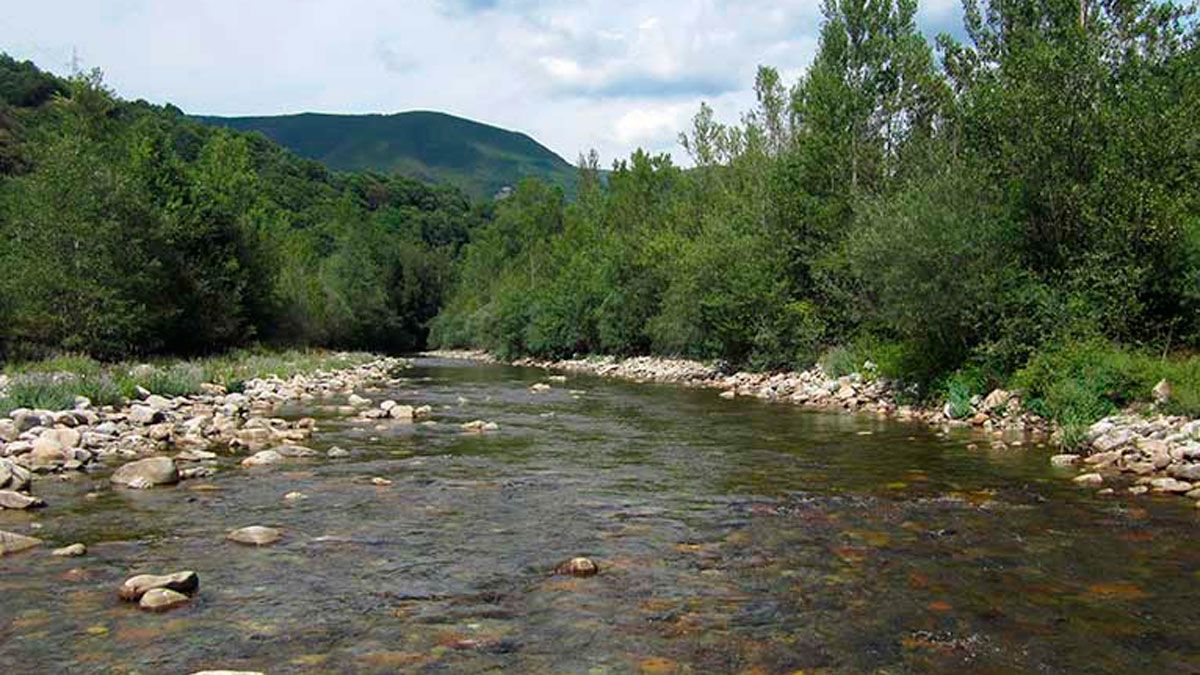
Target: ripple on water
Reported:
[(748, 538)]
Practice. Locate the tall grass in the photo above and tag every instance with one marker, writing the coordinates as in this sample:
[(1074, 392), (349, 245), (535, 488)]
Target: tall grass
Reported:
[(54, 383)]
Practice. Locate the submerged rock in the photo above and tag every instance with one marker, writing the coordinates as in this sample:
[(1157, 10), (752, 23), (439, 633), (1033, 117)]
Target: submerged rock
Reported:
[(1089, 479), (255, 535), (295, 451), (134, 588), (72, 551), (1064, 460), (11, 542), (263, 458), (479, 426), (577, 567), (162, 599), (146, 473), (337, 453)]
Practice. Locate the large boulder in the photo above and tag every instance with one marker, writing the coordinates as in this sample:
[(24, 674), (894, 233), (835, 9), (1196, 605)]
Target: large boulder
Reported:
[(146, 473)]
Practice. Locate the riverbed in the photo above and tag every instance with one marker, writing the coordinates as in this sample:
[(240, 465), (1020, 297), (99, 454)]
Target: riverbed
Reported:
[(731, 536)]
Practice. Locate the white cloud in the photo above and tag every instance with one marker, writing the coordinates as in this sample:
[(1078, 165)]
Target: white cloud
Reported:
[(650, 126), (573, 74)]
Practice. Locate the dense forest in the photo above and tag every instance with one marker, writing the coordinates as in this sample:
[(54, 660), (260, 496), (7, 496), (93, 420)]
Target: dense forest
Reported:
[(128, 229), (1019, 207)]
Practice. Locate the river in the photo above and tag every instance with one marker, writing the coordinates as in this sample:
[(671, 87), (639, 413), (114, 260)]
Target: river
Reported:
[(732, 536)]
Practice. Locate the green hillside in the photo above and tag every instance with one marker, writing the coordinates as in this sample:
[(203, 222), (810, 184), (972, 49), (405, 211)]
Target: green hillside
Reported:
[(429, 146)]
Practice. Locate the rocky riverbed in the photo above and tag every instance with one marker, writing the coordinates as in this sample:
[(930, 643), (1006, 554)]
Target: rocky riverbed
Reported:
[(1133, 453), (552, 522), (157, 440)]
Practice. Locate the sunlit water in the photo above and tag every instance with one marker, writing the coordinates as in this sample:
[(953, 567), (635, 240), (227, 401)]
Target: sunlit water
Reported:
[(733, 536)]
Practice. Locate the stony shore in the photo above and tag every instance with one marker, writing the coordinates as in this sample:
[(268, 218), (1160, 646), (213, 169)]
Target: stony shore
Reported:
[(158, 440), (1135, 453)]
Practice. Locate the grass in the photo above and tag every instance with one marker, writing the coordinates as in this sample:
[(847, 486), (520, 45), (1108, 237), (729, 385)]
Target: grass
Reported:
[(1076, 384), (54, 383)]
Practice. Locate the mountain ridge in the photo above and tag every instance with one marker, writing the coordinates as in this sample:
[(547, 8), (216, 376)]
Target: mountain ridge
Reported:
[(428, 145)]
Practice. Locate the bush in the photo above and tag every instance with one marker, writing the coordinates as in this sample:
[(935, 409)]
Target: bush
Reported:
[(1077, 383)]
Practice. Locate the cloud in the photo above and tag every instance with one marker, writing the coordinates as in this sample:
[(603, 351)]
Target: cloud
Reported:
[(574, 74)]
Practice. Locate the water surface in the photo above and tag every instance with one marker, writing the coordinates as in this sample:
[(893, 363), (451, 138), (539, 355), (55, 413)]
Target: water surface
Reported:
[(733, 536)]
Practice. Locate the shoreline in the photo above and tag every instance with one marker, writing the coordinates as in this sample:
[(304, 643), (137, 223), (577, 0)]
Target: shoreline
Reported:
[(1136, 453)]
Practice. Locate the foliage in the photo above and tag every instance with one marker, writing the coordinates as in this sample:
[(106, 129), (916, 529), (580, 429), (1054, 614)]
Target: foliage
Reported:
[(953, 220), (127, 229)]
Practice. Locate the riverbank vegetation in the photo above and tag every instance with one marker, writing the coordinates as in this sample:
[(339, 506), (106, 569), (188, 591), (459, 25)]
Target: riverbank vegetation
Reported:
[(1016, 207), (127, 229), (54, 383)]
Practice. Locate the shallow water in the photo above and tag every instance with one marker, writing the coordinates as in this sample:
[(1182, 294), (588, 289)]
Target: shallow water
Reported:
[(733, 536)]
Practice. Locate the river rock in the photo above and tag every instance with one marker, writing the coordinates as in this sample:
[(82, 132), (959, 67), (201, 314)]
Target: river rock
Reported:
[(295, 451), (8, 431), (161, 600), (145, 415), (479, 426), (72, 551), (1189, 471), (337, 453), (1064, 460), (18, 501), (48, 453), (996, 400), (13, 476), (147, 473), (1112, 440), (64, 437), (539, 387), (1089, 479), (195, 455), (402, 412), (227, 672), (1170, 485), (160, 403), (358, 401), (255, 535), (728, 394), (11, 542), (181, 582), (577, 567), (263, 458), (24, 420)]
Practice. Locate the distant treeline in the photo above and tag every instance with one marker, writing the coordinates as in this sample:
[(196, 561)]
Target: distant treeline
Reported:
[(1026, 201), (126, 229)]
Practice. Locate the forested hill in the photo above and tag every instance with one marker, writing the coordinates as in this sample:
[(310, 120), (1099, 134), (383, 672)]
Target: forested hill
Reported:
[(430, 146), (128, 229)]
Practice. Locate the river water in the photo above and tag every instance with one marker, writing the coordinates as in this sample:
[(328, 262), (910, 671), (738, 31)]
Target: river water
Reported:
[(732, 537)]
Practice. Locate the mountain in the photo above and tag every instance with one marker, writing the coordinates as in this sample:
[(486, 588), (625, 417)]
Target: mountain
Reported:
[(430, 146)]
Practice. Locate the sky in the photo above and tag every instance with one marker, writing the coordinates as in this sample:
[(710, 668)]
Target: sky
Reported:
[(574, 74)]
